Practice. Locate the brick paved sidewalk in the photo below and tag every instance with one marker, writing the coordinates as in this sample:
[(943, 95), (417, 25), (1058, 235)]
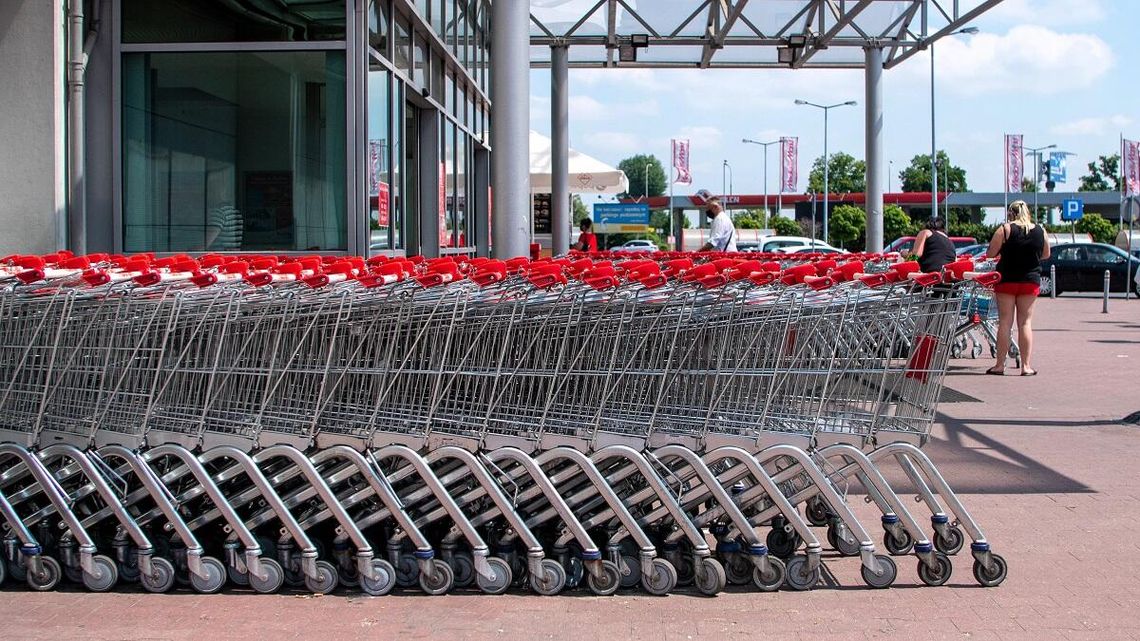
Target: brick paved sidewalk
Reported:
[(1045, 465)]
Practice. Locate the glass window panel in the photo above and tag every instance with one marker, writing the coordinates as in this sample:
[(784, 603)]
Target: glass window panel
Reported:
[(402, 54), (379, 171), (438, 86), (234, 151), (462, 178), (379, 26), (448, 230), (398, 206), (419, 64), (449, 93), (438, 16), (228, 21)]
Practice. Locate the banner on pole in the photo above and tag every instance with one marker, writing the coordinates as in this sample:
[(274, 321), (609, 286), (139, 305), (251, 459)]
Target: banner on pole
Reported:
[(1131, 165), (681, 162), (1014, 163), (789, 164), (1058, 172)]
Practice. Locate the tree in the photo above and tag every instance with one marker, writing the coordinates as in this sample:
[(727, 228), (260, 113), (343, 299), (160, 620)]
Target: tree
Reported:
[(1096, 226), (578, 209), (1101, 171), (916, 177), (846, 225), (846, 175), (896, 223), (634, 168), (751, 219), (784, 226)]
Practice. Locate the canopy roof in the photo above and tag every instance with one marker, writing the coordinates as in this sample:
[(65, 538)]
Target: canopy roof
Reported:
[(587, 174), (739, 33)]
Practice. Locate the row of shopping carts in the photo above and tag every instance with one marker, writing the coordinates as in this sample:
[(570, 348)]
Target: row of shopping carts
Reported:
[(321, 422)]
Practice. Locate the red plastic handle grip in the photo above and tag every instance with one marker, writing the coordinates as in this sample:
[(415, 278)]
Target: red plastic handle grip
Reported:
[(204, 280), (601, 282), (653, 281), (988, 279), (95, 279), (874, 280), (762, 278), (818, 283), (148, 279), (926, 280), (259, 280)]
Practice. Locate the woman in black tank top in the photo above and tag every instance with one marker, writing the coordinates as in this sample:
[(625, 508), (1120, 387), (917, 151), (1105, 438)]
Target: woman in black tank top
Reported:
[(933, 247), (1020, 246)]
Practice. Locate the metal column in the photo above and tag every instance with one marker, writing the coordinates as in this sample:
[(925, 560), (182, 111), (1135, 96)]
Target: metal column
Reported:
[(874, 134), (559, 150), (510, 127)]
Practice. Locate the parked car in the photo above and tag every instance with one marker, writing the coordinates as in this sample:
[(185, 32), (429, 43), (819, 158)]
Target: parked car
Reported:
[(905, 244), (784, 243), (636, 245), (971, 250), (809, 250), (1081, 266)]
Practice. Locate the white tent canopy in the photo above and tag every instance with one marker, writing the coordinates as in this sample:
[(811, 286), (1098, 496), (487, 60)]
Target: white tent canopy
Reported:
[(587, 175)]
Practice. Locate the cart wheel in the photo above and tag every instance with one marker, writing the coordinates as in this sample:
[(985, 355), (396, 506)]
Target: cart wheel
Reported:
[(161, 577), (325, 581), (738, 569), (104, 577), (608, 580), (384, 582), (884, 580), (633, 576), (49, 575), (215, 576), (407, 571), (951, 544), (816, 512), (977, 351), (552, 581), (771, 580), (274, 577), (939, 574), (710, 577), (841, 545), (797, 575), (782, 544), (464, 567), (499, 583), (662, 580), (898, 546), (439, 581), (237, 577), (991, 578)]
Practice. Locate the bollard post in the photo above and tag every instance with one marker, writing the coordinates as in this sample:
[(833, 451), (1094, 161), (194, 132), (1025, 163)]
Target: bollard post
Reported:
[(1107, 281), (1052, 281)]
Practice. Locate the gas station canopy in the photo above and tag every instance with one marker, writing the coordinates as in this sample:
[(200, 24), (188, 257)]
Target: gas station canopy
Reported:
[(741, 34)]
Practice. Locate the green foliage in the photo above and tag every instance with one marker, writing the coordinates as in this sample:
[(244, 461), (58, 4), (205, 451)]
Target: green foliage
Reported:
[(784, 226), (634, 168), (845, 175), (896, 223), (578, 209), (845, 225), (1098, 227), (916, 177), (1101, 171), (751, 219), (982, 233)]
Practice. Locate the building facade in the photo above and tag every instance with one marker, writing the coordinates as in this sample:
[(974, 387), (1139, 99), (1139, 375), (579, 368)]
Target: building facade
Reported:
[(356, 126)]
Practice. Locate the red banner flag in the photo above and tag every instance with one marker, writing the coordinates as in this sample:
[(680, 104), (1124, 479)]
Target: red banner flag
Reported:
[(1131, 168), (681, 162), (789, 164), (1014, 163)]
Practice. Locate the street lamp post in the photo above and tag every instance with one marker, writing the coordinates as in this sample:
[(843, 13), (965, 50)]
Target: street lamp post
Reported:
[(1036, 151), (890, 170), (826, 164), (765, 145), (722, 185), (933, 143), (647, 166)]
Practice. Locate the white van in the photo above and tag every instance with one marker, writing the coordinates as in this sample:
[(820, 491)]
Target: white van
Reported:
[(1129, 241)]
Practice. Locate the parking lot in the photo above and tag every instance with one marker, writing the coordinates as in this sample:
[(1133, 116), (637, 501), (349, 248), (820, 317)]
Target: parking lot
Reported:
[(1046, 465)]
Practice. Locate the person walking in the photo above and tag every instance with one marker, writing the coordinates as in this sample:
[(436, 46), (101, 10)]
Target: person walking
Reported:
[(722, 233), (1020, 246), (933, 247)]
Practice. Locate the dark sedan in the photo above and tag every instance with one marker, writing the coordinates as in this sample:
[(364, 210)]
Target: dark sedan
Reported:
[(1081, 266)]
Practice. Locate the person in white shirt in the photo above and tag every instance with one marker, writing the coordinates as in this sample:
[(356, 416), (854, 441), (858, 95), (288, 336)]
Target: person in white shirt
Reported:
[(722, 234)]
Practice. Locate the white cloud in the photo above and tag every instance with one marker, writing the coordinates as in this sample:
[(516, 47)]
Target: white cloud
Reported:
[(611, 146), (1092, 126), (587, 108), (1026, 60), (1049, 12)]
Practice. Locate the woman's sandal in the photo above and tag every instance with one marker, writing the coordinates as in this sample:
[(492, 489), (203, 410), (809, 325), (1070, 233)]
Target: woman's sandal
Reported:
[(996, 372), (1031, 372)]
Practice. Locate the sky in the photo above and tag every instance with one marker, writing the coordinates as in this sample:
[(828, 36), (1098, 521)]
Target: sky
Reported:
[(1057, 71)]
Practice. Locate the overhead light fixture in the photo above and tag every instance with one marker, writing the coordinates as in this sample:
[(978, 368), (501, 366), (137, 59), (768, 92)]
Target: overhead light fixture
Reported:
[(785, 55), (798, 40), (640, 40), (627, 53)]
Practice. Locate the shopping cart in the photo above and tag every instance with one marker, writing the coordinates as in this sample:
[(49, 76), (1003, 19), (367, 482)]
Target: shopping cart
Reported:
[(325, 422)]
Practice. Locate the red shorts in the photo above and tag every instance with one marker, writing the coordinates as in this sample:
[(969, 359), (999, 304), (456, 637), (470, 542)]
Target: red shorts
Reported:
[(1018, 289)]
